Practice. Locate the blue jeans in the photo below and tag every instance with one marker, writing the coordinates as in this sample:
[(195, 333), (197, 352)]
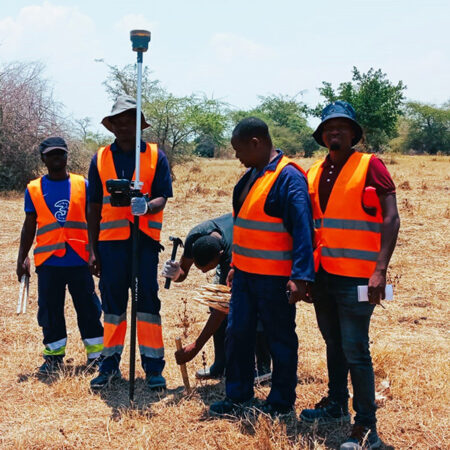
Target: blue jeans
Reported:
[(260, 297), (344, 324)]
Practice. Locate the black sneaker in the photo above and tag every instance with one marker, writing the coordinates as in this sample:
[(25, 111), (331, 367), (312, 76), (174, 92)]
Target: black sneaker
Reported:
[(228, 407), (52, 365), (362, 437), (325, 412), (276, 411), (105, 379)]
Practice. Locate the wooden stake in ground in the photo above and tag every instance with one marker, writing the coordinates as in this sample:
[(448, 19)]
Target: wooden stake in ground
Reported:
[(183, 367)]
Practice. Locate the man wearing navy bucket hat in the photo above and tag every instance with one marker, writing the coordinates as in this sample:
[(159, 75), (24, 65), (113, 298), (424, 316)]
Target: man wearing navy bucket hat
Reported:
[(356, 224)]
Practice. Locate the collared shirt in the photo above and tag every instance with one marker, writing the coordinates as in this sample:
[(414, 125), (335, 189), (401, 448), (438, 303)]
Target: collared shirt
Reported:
[(124, 163), (288, 200), (377, 177)]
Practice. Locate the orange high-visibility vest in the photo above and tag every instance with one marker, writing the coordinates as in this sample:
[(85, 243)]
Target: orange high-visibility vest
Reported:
[(51, 236), (261, 243), (347, 240), (115, 223)]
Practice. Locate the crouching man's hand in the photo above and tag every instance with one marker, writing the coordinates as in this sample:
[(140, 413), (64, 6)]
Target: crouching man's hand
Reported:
[(171, 269), (186, 354)]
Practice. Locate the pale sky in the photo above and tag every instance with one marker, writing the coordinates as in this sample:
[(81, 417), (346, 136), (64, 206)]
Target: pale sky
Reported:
[(232, 50)]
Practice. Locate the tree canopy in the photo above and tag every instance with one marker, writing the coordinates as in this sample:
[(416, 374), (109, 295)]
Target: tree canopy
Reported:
[(28, 114), (429, 127), (377, 102), (178, 124), (286, 117)]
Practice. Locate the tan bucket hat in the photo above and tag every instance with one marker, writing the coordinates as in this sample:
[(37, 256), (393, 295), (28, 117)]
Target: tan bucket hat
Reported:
[(123, 103)]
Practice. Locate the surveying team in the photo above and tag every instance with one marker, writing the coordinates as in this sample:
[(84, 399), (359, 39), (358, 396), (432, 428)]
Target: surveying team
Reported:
[(293, 237)]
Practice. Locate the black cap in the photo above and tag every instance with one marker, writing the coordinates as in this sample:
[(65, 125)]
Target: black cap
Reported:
[(52, 143)]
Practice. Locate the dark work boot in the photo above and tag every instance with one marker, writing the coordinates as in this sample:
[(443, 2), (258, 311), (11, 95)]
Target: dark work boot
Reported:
[(52, 365), (228, 407), (362, 437), (325, 412)]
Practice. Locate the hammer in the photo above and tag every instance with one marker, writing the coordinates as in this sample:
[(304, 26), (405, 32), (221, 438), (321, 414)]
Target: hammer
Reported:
[(176, 242)]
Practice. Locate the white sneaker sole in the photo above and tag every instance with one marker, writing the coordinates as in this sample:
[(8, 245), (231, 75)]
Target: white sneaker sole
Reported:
[(355, 446)]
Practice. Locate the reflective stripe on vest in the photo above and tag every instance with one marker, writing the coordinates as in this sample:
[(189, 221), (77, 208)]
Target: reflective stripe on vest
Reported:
[(261, 243), (51, 236), (57, 225), (115, 221), (347, 240)]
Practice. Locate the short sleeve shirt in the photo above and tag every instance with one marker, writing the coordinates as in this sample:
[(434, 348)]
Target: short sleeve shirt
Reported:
[(57, 197), (222, 225), (377, 176), (124, 163)]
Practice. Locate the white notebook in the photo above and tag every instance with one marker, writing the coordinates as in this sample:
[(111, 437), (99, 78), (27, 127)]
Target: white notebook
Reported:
[(362, 293)]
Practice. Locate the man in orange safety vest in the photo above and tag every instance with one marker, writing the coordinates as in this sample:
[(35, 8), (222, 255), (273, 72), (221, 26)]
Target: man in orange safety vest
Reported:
[(55, 205), (356, 225)]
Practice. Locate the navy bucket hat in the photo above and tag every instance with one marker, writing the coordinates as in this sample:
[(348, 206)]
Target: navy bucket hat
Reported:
[(333, 111)]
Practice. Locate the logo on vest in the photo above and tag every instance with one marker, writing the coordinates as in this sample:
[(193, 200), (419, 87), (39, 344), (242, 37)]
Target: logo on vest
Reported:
[(63, 208)]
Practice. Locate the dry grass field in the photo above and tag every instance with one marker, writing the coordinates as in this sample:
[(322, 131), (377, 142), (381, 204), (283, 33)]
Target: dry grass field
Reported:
[(410, 341)]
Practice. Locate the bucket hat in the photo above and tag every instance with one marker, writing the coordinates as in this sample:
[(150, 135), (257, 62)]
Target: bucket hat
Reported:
[(123, 103), (52, 143), (333, 111)]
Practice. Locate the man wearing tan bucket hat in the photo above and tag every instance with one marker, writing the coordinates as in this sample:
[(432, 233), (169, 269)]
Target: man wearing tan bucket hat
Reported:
[(111, 243)]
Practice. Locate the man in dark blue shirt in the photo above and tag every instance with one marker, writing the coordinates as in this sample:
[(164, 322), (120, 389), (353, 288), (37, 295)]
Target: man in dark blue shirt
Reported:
[(272, 268), (111, 243)]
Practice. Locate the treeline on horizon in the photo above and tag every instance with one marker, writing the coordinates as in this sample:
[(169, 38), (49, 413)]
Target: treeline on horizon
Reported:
[(199, 125)]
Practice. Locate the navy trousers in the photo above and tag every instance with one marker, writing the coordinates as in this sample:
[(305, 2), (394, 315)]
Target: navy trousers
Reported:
[(344, 324), (261, 297), (52, 282), (262, 346), (115, 285)]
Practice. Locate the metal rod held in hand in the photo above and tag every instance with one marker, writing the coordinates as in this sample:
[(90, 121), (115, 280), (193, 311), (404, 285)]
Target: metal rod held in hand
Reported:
[(140, 40), (23, 294)]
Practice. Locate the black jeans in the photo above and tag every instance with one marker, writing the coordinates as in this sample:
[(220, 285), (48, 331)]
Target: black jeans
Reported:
[(344, 324)]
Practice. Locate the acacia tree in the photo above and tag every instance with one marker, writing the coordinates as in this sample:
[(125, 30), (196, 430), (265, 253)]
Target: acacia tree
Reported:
[(28, 114), (177, 124), (429, 127), (286, 117), (377, 101)]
